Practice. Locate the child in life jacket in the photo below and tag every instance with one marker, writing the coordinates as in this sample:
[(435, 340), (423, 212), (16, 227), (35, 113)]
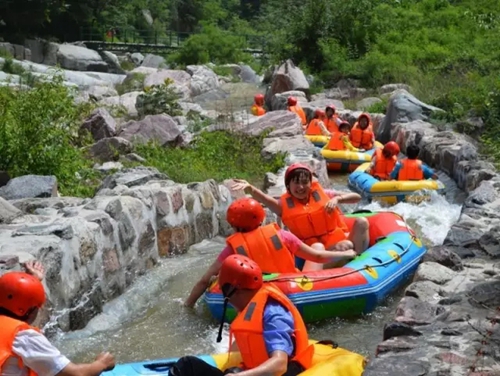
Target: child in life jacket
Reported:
[(340, 140), (269, 246), (412, 168), (312, 213), (295, 108), (361, 136), (258, 106), (317, 126), (383, 161), (332, 120), (24, 350), (268, 330)]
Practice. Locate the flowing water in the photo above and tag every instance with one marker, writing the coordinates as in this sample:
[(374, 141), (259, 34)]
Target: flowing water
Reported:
[(149, 321)]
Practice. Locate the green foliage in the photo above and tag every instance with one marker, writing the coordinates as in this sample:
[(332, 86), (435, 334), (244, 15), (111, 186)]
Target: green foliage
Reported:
[(212, 45), (378, 108), (159, 99), (213, 155), (37, 129)]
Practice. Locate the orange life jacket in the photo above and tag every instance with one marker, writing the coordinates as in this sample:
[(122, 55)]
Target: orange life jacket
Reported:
[(299, 111), (310, 222), (411, 169), (383, 166), (258, 110), (264, 246), (331, 124), (362, 138), (370, 126), (248, 330), (336, 141), (313, 129), (10, 327)]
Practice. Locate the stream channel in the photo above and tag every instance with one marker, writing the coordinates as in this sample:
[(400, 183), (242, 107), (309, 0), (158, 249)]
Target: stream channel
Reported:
[(149, 322)]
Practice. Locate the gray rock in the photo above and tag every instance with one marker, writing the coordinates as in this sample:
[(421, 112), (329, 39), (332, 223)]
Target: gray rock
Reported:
[(100, 124), (153, 61), (161, 128), (109, 149), (203, 79), (288, 77), (365, 103), (8, 211), (132, 177), (390, 88), (434, 272), (80, 58), (29, 186)]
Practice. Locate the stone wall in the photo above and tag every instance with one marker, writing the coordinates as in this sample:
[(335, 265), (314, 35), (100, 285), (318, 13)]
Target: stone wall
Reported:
[(447, 322), (97, 247)]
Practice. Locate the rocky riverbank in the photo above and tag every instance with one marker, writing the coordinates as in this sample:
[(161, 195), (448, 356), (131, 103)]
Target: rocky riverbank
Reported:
[(447, 322)]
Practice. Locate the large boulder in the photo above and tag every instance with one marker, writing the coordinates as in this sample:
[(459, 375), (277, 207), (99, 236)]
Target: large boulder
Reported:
[(29, 186), (403, 108), (203, 79), (8, 211), (110, 149), (161, 128), (288, 77), (126, 101), (100, 124), (80, 58)]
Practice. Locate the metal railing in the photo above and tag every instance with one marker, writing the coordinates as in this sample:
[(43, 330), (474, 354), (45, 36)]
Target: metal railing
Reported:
[(167, 38)]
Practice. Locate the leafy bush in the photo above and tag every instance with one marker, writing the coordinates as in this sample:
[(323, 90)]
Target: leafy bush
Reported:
[(212, 45), (159, 99), (133, 82), (213, 155), (37, 129)]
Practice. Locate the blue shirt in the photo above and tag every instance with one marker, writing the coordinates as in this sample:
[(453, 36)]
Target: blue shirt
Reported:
[(428, 172), (278, 328)]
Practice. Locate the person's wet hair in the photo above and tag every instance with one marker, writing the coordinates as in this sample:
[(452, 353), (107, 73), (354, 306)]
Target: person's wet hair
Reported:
[(345, 126), (298, 175)]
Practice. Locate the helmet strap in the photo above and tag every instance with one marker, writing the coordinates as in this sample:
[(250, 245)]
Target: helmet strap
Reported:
[(227, 295)]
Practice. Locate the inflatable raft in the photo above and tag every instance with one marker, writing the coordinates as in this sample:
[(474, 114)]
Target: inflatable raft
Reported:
[(345, 160), (317, 140), (327, 360), (392, 191), (351, 290)]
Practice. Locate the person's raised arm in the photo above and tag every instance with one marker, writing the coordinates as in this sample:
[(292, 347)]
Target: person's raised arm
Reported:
[(263, 198)]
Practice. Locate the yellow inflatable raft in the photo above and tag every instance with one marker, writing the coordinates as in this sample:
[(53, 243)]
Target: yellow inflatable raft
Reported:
[(317, 140), (392, 191), (327, 361), (345, 160)]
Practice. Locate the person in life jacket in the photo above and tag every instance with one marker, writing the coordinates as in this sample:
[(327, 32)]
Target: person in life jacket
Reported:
[(272, 248), (340, 140), (383, 161), (361, 136), (317, 126), (366, 116), (312, 213), (332, 119), (412, 168), (258, 106), (294, 107), (24, 350), (268, 331)]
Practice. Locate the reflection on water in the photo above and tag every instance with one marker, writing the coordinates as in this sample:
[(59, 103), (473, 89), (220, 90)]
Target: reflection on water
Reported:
[(158, 326)]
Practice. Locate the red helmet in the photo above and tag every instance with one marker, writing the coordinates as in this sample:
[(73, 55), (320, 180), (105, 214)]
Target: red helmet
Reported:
[(331, 107), (292, 101), (319, 113), (392, 147), (259, 98), (246, 214), (20, 292), (239, 272), (293, 167)]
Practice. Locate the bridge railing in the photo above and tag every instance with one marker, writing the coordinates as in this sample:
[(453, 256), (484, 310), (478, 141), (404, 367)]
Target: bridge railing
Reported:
[(165, 37)]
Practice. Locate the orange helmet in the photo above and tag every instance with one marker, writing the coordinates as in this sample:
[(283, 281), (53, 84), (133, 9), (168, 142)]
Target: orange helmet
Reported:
[(259, 99), (292, 101), (392, 148), (319, 113), (20, 293), (239, 272), (246, 214)]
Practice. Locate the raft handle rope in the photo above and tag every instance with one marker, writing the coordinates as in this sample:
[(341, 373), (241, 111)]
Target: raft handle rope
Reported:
[(366, 267)]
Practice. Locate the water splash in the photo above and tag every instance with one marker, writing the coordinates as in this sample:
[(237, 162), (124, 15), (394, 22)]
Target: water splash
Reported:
[(433, 218)]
